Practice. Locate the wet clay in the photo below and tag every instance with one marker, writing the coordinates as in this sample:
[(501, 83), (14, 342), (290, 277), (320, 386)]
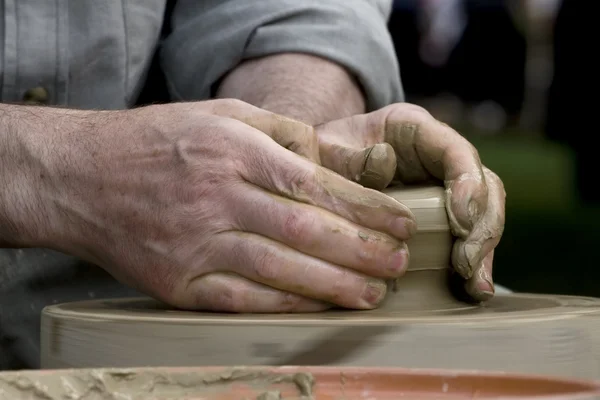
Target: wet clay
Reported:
[(270, 383), (378, 168), (426, 285), (88, 384), (421, 324)]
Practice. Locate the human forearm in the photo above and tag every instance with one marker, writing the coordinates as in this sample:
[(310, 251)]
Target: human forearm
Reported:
[(308, 88), (43, 151), (21, 172), (278, 36)]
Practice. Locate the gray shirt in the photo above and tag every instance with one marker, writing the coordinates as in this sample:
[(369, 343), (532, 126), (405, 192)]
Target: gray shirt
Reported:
[(97, 53)]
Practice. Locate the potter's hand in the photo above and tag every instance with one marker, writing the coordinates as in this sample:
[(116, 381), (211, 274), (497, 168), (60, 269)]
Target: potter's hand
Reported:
[(404, 142), (200, 205)]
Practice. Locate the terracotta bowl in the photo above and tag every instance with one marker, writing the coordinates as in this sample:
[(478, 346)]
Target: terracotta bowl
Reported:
[(285, 383)]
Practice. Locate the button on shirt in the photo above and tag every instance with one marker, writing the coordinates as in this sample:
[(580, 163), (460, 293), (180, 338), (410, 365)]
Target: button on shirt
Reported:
[(96, 54)]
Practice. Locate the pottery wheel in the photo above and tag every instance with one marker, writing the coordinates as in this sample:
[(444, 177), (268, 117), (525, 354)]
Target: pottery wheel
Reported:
[(421, 324)]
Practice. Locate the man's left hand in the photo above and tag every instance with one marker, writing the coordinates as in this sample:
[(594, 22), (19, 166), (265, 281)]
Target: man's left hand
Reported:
[(404, 142)]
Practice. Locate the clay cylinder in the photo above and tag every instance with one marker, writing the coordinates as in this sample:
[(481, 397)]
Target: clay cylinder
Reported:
[(425, 285), (420, 325)]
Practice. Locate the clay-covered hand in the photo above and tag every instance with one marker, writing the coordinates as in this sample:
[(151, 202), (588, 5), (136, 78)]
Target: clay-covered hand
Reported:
[(202, 206), (404, 142)]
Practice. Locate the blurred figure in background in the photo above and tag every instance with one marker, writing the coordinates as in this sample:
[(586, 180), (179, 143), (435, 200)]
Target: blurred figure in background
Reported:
[(468, 53), (493, 65), (571, 117)]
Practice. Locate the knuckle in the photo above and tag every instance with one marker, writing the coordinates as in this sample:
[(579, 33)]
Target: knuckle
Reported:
[(368, 254), (238, 249), (407, 109), (417, 110), (165, 286), (232, 300), (267, 266), (473, 149), (460, 143), (337, 293), (290, 301), (230, 103), (298, 183), (296, 125), (376, 257), (304, 146), (418, 116), (296, 227), (296, 136), (309, 134), (165, 281), (470, 146), (495, 179)]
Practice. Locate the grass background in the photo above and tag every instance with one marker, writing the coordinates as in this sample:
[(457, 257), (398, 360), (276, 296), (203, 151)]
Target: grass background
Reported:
[(549, 239)]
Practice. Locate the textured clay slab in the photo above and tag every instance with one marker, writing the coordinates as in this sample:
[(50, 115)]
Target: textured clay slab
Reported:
[(420, 325), (285, 383)]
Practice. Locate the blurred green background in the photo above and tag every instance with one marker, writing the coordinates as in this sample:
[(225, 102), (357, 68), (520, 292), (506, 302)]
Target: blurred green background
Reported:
[(548, 236)]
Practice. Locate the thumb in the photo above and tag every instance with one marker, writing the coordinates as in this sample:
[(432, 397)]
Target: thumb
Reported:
[(373, 167)]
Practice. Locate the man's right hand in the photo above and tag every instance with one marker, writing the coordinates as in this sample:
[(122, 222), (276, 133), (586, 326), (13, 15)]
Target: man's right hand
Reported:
[(201, 205)]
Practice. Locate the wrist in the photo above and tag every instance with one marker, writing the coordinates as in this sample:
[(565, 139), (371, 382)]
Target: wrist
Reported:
[(307, 88), (27, 160)]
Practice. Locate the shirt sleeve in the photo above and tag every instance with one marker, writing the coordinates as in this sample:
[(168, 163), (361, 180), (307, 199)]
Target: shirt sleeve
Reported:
[(211, 37)]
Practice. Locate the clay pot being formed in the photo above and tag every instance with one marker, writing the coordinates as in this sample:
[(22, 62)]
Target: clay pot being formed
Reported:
[(419, 325), (286, 383)]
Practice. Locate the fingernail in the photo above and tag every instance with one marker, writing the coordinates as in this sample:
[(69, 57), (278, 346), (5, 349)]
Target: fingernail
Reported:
[(398, 262), (480, 287), (403, 228), (472, 287), (481, 292), (488, 280), (484, 295), (379, 163), (374, 293)]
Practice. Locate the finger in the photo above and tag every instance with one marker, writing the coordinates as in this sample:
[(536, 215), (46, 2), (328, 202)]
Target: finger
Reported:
[(464, 205), (321, 234), (224, 292), (481, 285), (291, 134), (262, 260), (347, 147), (463, 250), (373, 167), (468, 253), (416, 134), (426, 148), (284, 173)]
